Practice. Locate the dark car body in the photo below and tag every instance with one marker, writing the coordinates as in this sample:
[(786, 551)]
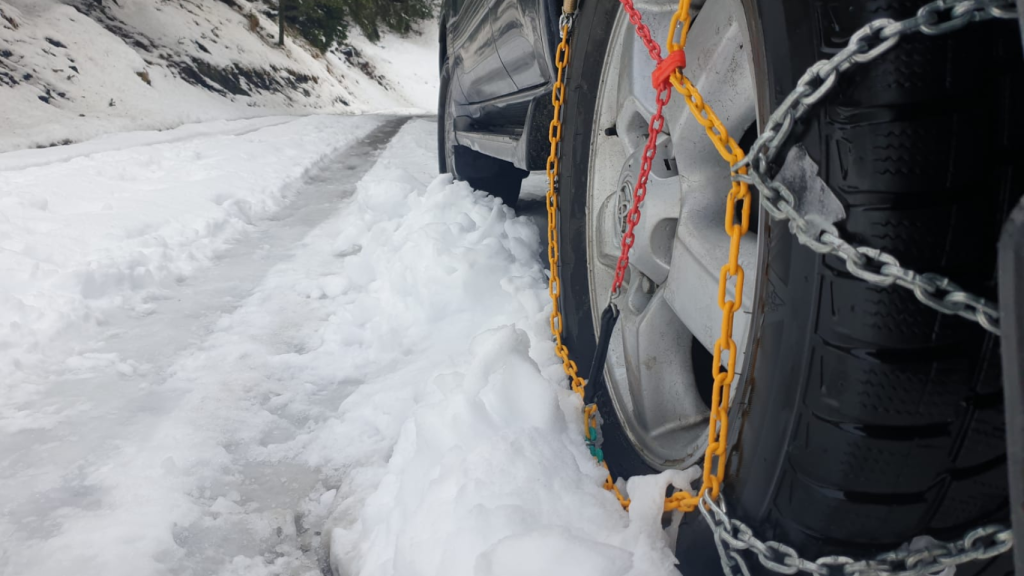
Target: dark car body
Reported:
[(501, 57)]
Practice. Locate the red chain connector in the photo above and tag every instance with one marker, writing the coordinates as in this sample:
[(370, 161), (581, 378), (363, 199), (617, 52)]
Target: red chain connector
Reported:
[(661, 78)]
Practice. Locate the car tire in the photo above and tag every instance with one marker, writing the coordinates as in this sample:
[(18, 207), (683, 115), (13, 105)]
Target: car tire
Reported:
[(496, 177), (868, 418)]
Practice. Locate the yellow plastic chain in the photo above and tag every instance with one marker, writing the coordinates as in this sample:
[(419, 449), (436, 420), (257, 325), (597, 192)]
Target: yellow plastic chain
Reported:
[(551, 198), (718, 425), (554, 284)]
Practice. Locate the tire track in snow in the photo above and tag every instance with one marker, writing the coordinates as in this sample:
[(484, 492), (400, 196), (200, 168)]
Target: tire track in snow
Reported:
[(35, 157), (57, 514)]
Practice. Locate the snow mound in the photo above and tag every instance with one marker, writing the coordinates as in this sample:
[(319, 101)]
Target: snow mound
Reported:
[(466, 455), (74, 69), (490, 477)]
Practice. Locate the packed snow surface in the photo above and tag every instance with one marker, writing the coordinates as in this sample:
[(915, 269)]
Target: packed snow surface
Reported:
[(286, 356), (113, 229)]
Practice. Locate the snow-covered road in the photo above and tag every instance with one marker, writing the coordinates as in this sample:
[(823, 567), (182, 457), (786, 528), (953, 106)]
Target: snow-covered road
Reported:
[(286, 348)]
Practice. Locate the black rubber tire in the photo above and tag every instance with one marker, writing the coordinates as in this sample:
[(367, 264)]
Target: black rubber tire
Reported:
[(496, 177), (869, 418)]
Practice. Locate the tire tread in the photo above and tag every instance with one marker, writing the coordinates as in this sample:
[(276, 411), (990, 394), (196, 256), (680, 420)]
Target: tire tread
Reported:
[(899, 429)]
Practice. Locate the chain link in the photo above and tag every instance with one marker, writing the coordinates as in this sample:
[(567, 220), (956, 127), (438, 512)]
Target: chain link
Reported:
[(868, 264), (639, 191), (591, 420), (733, 537)]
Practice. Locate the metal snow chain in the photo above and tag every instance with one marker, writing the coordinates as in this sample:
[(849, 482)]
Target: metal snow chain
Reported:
[(812, 230), (869, 264), (733, 537)]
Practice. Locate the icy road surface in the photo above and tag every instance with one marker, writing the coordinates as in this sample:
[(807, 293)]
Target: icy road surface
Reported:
[(288, 347)]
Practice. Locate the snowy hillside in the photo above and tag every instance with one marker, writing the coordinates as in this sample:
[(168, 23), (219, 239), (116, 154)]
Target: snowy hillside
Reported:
[(75, 69)]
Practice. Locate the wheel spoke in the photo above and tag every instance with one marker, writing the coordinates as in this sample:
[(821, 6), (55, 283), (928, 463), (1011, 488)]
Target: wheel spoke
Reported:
[(634, 96), (652, 247), (718, 62), (666, 403)]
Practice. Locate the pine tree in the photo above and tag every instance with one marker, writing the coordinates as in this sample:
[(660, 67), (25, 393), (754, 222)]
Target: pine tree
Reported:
[(325, 22), (395, 15), (280, 22), (322, 22)]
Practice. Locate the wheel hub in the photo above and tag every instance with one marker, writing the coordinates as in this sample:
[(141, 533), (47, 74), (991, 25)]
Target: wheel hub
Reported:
[(657, 370), (625, 200)]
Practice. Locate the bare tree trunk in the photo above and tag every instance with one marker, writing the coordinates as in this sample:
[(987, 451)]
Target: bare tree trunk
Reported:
[(280, 22)]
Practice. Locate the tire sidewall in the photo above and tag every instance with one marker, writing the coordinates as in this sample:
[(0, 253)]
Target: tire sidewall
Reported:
[(445, 152), (587, 50)]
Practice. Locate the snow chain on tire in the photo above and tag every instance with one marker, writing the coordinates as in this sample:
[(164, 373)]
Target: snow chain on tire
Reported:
[(868, 264), (731, 536)]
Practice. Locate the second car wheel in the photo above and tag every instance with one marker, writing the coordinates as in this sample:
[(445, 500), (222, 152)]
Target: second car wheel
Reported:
[(497, 177), (861, 418)]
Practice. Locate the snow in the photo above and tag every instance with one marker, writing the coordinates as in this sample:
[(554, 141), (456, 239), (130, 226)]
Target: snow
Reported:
[(86, 234), (410, 65), (353, 372), (73, 70), (41, 156)]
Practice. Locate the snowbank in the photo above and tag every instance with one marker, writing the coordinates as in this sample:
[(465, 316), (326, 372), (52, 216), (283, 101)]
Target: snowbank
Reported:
[(71, 70), (490, 477), (463, 450)]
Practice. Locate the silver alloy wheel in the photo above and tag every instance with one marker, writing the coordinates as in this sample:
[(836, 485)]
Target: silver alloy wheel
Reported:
[(669, 305)]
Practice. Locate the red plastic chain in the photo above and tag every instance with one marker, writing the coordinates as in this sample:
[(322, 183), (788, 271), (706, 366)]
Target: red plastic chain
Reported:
[(661, 80), (642, 30)]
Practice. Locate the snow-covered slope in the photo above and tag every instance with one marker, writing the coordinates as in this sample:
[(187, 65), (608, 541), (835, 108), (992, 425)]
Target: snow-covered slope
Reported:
[(74, 69)]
